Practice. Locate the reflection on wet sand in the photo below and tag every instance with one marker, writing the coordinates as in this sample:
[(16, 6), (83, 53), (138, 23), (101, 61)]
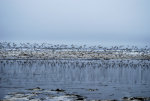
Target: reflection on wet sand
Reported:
[(93, 79)]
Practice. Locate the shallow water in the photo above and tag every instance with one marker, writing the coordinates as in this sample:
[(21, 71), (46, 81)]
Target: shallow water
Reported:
[(93, 79)]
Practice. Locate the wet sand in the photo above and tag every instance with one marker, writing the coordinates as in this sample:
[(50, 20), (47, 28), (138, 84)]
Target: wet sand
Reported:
[(72, 80)]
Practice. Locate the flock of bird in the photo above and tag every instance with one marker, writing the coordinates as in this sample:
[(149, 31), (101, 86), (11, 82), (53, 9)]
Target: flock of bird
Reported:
[(49, 51)]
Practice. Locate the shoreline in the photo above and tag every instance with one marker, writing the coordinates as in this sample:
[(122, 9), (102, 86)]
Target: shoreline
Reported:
[(60, 51), (49, 54)]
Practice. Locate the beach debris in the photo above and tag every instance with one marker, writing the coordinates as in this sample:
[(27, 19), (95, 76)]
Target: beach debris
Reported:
[(136, 98), (37, 89)]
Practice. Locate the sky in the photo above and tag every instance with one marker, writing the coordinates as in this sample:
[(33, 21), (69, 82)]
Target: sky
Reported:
[(105, 22)]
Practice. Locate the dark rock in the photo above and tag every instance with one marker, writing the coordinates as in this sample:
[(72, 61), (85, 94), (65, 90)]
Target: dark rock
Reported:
[(92, 89), (125, 98), (58, 90), (136, 98), (80, 99)]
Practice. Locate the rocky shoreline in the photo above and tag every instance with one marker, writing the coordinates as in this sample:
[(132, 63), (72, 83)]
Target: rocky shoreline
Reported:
[(39, 94)]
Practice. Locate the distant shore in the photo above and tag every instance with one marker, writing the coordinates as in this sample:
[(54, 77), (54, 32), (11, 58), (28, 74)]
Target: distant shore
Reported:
[(48, 51), (50, 54)]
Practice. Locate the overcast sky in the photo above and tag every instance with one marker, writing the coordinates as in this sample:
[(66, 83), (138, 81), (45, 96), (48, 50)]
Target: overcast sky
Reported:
[(76, 21)]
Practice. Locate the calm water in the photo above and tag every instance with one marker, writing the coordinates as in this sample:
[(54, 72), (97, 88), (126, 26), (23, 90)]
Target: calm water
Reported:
[(112, 79)]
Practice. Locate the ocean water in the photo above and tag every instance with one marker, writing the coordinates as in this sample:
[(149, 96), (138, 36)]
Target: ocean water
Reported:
[(92, 79)]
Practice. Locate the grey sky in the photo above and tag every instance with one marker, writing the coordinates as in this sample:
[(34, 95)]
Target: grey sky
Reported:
[(84, 21)]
